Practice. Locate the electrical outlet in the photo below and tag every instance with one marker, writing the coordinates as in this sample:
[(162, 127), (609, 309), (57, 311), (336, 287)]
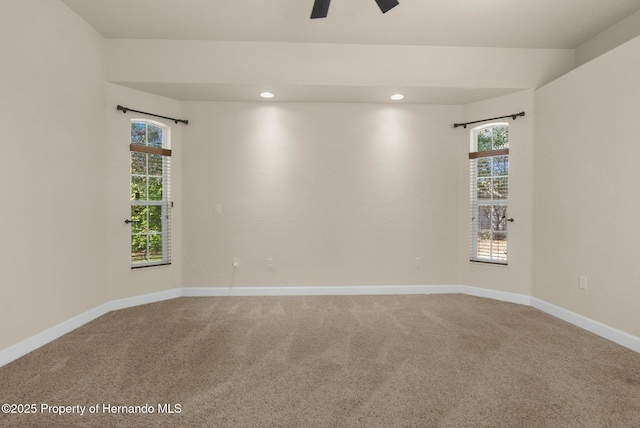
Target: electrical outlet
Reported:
[(217, 208), (236, 263), (583, 283), (418, 262), (269, 263)]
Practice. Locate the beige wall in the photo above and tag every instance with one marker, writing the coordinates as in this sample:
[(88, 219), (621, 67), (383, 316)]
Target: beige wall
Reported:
[(336, 194), (587, 196), (52, 168), (516, 277)]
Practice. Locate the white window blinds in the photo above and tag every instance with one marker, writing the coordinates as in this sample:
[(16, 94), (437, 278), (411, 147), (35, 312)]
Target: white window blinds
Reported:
[(489, 171), (150, 194)]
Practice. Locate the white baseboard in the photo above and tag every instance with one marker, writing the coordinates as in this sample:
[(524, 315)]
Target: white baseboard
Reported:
[(357, 290), (595, 327), (351, 290), (31, 344), (34, 342), (18, 350), (130, 302), (521, 299)]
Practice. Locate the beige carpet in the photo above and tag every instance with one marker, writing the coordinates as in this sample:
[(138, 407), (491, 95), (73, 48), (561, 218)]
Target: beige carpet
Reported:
[(366, 361)]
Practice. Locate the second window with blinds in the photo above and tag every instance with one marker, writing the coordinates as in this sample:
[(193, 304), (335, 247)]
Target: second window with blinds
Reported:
[(150, 203), (489, 163)]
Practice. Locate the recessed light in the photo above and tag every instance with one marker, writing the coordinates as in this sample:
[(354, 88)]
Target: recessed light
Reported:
[(266, 95), (397, 97)]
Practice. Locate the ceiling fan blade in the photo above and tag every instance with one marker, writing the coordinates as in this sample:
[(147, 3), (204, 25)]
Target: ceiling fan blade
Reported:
[(320, 9), (387, 5)]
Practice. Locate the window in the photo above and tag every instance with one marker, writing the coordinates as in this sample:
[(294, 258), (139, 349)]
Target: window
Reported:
[(489, 193), (150, 204)]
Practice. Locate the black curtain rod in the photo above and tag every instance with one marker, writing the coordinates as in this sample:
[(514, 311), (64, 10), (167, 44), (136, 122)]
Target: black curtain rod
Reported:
[(512, 116), (126, 109)]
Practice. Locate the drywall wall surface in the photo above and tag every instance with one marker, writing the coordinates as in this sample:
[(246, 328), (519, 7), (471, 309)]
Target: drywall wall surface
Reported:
[(334, 194), (586, 189), (52, 167), (610, 38), (516, 276), (195, 62), (124, 281)]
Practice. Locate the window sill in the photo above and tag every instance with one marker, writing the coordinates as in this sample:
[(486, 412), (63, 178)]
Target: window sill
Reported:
[(483, 263), (151, 265)]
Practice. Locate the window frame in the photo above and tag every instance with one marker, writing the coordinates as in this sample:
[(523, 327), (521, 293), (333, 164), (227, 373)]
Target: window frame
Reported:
[(475, 202), (165, 202)]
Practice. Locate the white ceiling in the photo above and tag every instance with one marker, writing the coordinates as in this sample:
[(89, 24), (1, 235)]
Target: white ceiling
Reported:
[(470, 23), (488, 23)]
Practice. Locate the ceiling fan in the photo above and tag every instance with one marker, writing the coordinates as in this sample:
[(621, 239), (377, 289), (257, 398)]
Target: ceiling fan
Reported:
[(321, 7)]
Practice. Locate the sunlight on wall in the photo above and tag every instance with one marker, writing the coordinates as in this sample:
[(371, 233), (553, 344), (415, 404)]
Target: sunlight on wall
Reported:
[(270, 149), (390, 148), (389, 136)]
